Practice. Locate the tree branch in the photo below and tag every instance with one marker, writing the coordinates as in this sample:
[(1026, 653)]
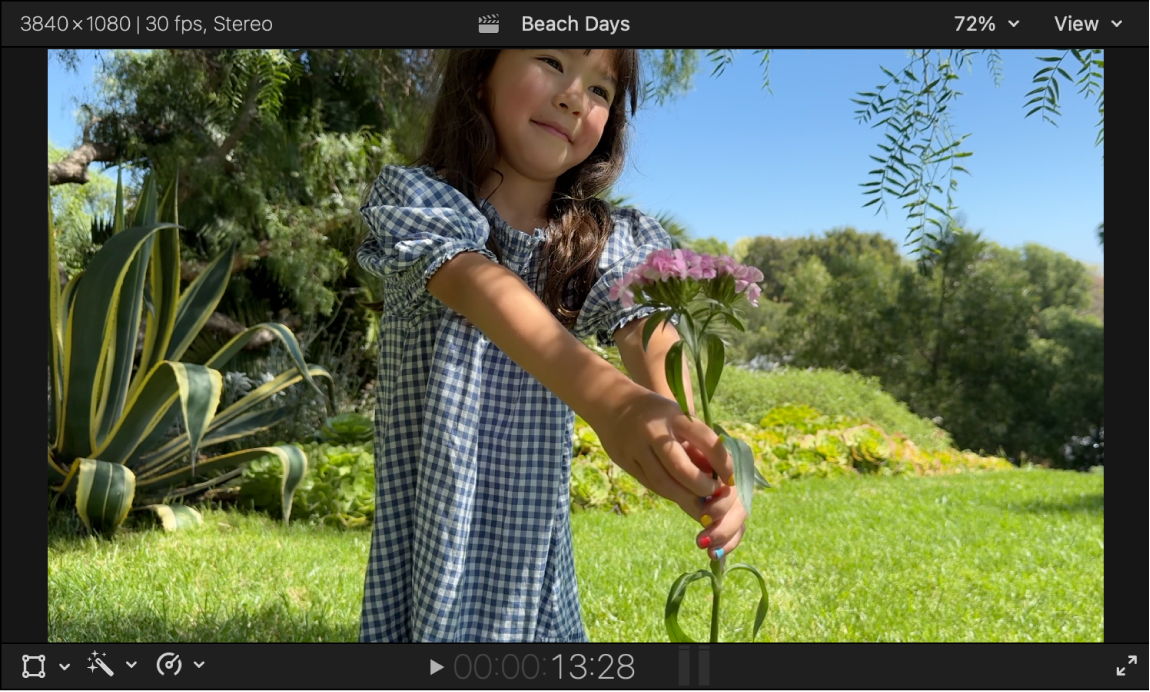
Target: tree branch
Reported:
[(190, 269), (243, 122), (74, 167)]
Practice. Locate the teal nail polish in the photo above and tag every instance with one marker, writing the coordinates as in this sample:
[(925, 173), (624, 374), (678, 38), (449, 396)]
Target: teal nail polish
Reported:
[(718, 553)]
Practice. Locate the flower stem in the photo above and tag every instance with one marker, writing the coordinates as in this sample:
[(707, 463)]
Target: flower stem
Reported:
[(717, 570), (716, 565), (703, 393)]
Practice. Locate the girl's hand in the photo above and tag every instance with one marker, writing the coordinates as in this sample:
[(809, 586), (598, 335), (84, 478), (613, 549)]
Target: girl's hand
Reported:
[(673, 456)]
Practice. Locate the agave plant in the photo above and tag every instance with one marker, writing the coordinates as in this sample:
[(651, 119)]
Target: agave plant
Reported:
[(111, 409)]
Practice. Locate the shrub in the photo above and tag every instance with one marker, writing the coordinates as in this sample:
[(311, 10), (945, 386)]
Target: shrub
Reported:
[(338, 488), (597, 482), (797, 441), (748, 396), (115, 399), (788, 442)]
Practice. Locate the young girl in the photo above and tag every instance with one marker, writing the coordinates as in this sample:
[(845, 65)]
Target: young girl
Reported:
[(495, 255)]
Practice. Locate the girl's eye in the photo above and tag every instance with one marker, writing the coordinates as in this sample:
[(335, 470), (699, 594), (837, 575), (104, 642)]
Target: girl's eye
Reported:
[(605, 94)]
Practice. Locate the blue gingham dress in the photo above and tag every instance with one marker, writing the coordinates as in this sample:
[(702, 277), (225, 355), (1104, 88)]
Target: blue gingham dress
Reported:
[(471, 540)]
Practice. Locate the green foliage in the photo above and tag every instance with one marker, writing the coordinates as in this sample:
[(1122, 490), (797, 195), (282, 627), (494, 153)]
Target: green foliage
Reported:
[(708, 246), (789, 441), (920, 149), (274, 148), (597, 482), (348, 428), (960, 335), (114, 398), (338, 489), (75, 208), (750, 396), (795, 441), (1057, 279)]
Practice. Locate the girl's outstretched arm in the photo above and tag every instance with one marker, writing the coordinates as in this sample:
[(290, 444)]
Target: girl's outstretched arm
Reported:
[(648, 368), (639, 429)]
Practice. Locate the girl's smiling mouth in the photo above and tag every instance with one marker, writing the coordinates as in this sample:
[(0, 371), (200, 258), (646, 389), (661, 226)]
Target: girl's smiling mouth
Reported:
[(553, 131)]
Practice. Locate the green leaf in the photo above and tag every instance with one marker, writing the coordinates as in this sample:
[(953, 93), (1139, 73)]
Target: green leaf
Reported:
[(55, 342), (89, 337), (104, 492), (57, 475), (198, 302), (196, 387), (735, 321), (761, 612), (715, 357), (154, 462), (674, 371), (126, 331), (675, 602), (744, 460), (688, 332), (285, 335), (294, 468), (175, 517), (165, 291), (651, 324)]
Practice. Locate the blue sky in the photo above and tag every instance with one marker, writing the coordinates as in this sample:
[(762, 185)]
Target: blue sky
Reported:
[(730, 160)]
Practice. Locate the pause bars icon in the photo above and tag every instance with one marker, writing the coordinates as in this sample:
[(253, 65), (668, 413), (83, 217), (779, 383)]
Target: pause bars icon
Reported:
[(704, 666)]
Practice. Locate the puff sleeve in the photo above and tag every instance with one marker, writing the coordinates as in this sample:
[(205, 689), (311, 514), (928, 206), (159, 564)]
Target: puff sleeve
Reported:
[(635, 236), (416, 224)]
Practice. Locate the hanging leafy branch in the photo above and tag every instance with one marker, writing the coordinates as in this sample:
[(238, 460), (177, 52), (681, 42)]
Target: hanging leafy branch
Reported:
[(920, 145), (919, 148), (1089, 81), (721, 57)]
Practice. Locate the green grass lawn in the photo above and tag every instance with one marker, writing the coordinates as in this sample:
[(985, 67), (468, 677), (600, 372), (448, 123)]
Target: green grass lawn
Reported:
[(1006, 556)]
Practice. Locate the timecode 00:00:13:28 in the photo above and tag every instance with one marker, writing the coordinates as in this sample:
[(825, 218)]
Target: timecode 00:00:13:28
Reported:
[(532, 667)]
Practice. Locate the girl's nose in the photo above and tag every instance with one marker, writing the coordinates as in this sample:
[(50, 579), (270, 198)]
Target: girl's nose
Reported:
[(572, 99)]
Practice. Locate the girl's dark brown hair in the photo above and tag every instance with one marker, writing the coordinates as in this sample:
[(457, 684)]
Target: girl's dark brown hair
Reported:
[(461, 148)]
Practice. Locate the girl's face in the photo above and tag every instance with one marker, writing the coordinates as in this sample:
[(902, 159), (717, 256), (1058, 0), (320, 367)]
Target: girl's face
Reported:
[(530, 90)]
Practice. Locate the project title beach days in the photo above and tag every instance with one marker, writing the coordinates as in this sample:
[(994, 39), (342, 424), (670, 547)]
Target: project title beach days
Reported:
[(571, 24)]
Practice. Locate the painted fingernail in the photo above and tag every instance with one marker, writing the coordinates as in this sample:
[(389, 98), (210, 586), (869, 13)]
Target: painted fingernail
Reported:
[(718, 553), (705, 520), (706, 499), (705, 542), (731, 480)]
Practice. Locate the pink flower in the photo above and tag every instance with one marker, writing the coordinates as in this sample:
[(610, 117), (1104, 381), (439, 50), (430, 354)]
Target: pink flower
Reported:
[(753, 293), (682, 265), (725, 265), (702, 267), (665, 264)]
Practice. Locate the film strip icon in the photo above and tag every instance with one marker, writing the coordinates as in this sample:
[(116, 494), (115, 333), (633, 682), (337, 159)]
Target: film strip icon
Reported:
[(489, 24)]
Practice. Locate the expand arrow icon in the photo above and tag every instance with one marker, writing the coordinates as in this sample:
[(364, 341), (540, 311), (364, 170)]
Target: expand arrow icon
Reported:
[(435, 667), (1116, 23), (65, 666), (199, 664), (131, 664), (1012, 22), (1133, 660), (1121, 672)]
